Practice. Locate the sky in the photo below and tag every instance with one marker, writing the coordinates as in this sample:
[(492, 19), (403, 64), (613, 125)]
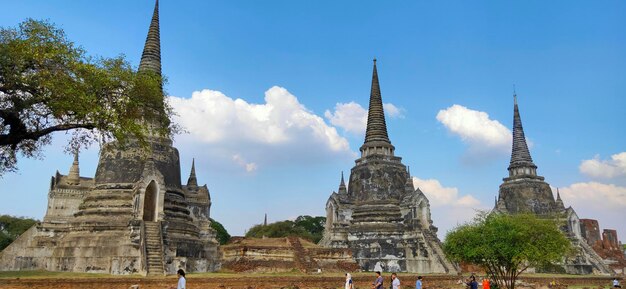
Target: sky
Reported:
[(273, 96)]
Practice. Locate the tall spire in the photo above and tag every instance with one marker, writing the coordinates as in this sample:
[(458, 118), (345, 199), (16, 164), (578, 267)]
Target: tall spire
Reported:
[(376, 138), (409, 180), (151, 56), (192, 181), (342, 185), (376, 126), (265, 220), (73, 177), (559, 202), (521, 161)]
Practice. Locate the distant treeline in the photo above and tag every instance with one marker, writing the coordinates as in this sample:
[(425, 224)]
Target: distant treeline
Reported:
[(12, 227), (306, 227)]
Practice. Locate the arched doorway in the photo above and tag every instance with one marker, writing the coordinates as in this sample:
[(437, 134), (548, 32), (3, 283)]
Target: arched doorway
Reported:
[(150, 202)]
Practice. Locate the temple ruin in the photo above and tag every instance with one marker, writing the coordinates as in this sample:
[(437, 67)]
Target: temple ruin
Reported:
[(133, 217), (380, 215), (284, 255), (606, 244), (523, 191)]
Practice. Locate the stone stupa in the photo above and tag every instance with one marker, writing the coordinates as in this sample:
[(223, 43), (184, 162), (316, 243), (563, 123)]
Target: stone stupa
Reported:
[(133, 217), (380, 215)]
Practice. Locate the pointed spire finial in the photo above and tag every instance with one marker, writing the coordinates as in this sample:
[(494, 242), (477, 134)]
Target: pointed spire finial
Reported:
[(73, 177), (342, 184), (409, 180), (376, 126), (521, 161), (514, 95), (192, 181), (559, 202), (151, 56)]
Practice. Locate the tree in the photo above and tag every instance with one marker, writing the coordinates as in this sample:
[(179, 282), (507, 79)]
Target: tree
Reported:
[(48, 84), (306, 227), (506, 245), (12, 227), (222, 235), (313, 225)]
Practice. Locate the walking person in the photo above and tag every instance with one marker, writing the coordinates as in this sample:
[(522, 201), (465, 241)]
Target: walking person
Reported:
[(616, 283), (418, 283), (395, 282), (182, 282), (378, 284), (472, 284), (348, 284)]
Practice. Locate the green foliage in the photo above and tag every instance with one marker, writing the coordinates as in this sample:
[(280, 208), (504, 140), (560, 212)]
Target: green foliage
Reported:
[(506, 245), (222, 235), (48, 84), (306, 227), (313, 225), (12, 227)]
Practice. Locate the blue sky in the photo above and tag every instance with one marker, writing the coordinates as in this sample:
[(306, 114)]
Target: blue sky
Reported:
[(281, 88)]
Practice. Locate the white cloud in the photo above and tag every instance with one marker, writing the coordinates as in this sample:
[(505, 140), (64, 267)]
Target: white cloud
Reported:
[(482, 134), (595, 195), (352, 117), (447, 208), (605, 169), (393, 111), (250, 167), (439, 195), (603, 202), (279, 130)]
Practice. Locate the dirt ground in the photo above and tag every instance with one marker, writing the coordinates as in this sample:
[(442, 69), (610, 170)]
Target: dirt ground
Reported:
[(270, 282)]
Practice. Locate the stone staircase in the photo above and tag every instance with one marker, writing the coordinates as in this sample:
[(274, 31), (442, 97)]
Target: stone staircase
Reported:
[(154, 249), (304, 262), (433, 241)]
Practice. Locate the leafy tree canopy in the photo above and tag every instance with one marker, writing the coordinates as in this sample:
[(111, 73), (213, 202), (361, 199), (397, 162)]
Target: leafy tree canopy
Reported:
[(506, 245), (48, 84), (306, 227), (12, 227), (222, 235)]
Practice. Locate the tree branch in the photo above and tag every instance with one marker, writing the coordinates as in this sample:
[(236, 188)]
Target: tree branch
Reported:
[(18, 132)]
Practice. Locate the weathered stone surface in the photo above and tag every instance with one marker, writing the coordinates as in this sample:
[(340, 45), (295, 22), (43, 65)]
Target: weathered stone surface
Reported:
[(135, 216), (606, 246), (380, 216), (523, 191), (284, 255)]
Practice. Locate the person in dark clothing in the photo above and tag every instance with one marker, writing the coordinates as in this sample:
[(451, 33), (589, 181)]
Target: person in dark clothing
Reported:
[(472, 284), (378, 284)]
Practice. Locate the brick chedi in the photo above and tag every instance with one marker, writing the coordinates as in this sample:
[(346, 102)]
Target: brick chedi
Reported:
[(380, 216), (523, 191), (606, 245), (134, 216)]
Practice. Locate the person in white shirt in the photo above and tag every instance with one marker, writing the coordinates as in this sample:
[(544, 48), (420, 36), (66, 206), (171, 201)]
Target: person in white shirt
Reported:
[(182, 282), (616, 283), (395, 282), (349, 284)]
